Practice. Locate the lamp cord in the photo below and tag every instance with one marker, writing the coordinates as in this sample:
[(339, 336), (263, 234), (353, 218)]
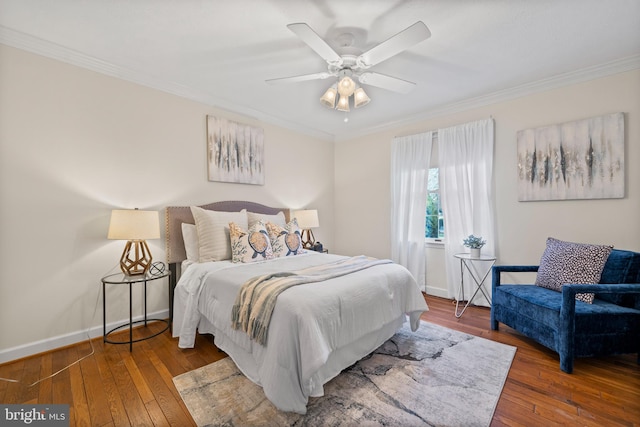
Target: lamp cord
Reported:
[(95, 311)]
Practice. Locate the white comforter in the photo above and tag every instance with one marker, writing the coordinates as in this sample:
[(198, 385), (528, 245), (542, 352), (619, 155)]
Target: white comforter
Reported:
[(316, 329)]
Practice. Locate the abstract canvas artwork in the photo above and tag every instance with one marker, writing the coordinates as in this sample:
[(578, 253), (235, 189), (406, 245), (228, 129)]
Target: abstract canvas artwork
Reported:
[(235, 152), (583, 159)]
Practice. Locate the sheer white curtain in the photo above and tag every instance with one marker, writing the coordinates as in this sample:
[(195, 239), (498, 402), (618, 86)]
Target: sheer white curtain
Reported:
[(410, 156), (466, 173)]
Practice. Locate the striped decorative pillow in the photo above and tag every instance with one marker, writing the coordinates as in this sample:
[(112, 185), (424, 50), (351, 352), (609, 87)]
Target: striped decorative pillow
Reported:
[(213, 232)]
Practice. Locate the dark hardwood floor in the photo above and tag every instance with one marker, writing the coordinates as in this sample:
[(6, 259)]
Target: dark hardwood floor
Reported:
[(116, 388)]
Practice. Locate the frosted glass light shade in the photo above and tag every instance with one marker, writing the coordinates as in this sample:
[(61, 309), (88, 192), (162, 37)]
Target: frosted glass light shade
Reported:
[(329, 97), (360, 98), (307, 218), (343, 103), (346, 86)]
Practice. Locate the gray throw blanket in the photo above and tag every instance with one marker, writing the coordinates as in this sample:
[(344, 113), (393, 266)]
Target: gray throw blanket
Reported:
[(256, 300)]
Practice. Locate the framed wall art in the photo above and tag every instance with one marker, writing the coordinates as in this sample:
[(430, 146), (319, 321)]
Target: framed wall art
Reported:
[(582, 159), (235, 152)]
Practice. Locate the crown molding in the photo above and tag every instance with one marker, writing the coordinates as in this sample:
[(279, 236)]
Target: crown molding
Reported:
[(51, 50), (622, 65)]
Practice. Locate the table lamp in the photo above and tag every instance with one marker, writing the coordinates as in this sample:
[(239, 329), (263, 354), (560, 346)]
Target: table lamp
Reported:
[(307, 219), (134, 226)]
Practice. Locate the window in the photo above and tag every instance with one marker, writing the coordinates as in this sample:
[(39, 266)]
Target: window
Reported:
[(434, 221)]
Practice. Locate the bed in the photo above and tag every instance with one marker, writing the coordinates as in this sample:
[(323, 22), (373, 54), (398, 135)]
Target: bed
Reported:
[(316, 329)]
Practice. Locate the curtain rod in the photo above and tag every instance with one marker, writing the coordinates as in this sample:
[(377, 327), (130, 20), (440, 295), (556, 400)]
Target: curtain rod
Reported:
[(435, 132)]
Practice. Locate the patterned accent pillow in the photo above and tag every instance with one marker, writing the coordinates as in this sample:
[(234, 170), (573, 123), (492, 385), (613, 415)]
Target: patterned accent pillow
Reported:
[(572, 263), (285, 241), (250, 245)]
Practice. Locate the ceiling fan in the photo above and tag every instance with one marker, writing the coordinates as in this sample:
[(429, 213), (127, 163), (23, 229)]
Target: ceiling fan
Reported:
[(347, 67)]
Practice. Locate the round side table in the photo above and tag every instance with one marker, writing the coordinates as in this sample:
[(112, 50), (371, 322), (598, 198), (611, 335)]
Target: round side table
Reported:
[(123, 279)]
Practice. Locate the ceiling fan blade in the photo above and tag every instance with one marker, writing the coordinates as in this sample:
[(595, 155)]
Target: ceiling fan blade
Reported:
[(303, 78), (402, 41), (315, 42), (383, 81)]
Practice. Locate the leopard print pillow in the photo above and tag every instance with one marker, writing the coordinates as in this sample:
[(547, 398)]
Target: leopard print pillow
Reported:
[(574, 263)]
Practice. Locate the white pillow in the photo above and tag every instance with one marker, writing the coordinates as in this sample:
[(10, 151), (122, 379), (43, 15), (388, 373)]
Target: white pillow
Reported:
[(190, 237), (277, 219), (213, 232)]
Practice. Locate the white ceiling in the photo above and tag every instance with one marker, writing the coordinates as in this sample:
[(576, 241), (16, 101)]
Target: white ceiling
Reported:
[(221, 52)]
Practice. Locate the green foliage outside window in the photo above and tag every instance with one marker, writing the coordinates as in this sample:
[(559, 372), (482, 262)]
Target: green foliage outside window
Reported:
[(434, 222)]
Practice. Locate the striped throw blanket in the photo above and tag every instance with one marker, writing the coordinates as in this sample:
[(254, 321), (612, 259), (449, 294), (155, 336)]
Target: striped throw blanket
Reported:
[(256, 300)]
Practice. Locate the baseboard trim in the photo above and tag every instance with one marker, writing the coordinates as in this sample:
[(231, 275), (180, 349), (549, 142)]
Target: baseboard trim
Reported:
[(49, 344), (437, 292)]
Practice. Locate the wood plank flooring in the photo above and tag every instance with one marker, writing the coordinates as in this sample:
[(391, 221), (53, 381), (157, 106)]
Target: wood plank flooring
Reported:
[(114, 387)]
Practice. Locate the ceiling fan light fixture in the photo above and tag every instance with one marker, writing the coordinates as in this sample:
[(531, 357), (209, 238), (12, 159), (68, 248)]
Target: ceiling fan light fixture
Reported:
[(348, 66), (360, 98), (329, 97), (343, 104)]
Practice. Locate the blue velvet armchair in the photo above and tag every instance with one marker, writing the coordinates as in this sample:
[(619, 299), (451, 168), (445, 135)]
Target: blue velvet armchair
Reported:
[(611, 325)]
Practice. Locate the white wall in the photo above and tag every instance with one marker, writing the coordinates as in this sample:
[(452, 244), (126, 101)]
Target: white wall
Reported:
[(75, 144), (362, 176)]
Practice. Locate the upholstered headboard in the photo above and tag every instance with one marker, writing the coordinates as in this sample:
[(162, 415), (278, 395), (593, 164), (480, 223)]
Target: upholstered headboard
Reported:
[(176, 215)]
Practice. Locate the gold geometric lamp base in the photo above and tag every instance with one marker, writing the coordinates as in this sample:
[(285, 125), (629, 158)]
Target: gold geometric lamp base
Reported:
[(136, 258), (308, 239)]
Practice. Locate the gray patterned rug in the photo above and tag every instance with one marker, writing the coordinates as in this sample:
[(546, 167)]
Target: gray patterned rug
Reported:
[(433, 377)]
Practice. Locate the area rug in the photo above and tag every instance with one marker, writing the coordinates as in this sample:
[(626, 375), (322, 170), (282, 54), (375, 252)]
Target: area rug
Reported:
[(432, 377)]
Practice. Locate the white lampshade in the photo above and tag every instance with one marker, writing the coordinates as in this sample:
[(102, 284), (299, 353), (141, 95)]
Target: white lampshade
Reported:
[(134, 224), (343, 104), (329, 97), (360, 98), (307, 218)]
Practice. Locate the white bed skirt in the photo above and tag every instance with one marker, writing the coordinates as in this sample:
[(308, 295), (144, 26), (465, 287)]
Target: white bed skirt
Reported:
[(338, 360)]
